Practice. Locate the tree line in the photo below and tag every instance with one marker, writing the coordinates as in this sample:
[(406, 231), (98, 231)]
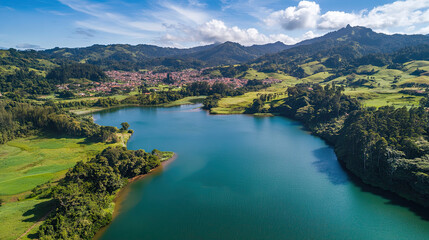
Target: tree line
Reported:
[(83, 199), (387, 147), (22, 119), (64, 72)]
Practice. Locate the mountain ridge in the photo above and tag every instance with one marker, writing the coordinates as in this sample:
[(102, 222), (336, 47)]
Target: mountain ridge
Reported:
[(348, 42)]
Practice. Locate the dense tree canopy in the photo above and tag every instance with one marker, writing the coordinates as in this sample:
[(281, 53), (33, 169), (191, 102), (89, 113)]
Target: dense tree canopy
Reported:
[(84, 196), (63, 73), (18, 119)]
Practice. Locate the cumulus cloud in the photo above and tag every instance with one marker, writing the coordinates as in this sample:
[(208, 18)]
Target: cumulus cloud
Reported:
[(189, 22), (309, 35), (217, 31), (397, 14), (305, 15), (336, 19), (424, 30)]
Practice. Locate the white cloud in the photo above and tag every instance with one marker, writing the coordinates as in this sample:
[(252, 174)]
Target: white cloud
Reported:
[(104, 18), (424, 30), (110, 29), (189, 22), (397, 14), (305, 15), (217, 31), (335, 20), (174, 12), (196, 3), (309, 35)]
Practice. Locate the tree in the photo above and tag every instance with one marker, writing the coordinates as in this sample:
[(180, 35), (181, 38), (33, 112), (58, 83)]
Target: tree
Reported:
[(125, 126), (66, 94), (256, 107)]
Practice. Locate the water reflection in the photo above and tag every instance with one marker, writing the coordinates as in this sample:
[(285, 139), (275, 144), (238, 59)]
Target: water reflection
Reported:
[(328, 164)]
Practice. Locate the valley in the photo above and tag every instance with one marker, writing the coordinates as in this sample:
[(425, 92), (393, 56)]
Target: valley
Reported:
[(364, 93)]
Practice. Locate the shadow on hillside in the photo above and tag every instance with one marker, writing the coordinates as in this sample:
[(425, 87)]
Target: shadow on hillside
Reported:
[(39, 211)]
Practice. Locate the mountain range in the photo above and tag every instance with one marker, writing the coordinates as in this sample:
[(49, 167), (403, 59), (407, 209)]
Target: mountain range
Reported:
[(150, 55), (349, 42), (345, 43)]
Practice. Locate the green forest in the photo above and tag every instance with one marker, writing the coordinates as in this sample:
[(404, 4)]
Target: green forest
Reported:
[(386, 147), (20, 119), (84, 197)]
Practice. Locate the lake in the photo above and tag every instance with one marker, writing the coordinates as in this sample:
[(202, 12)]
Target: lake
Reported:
[(245, 177)]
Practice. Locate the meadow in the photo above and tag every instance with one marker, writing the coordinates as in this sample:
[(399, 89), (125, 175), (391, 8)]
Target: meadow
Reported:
[(18, 217), (28, 162), (383, 87)]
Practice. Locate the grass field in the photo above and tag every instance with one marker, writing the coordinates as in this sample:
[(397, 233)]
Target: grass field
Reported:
[(382, 89), (252, 74), (28, 162), (237, 105), (17, 217)]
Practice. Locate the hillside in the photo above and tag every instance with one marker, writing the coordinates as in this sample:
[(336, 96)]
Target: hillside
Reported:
[(370, 41), (348, 43), (232, 53), (128, 57)]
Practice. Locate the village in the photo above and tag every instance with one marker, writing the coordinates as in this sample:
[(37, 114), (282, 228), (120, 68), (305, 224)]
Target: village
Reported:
[(130, 81)]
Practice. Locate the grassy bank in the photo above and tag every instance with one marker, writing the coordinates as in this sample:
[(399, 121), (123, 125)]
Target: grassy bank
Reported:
[(18, 217)]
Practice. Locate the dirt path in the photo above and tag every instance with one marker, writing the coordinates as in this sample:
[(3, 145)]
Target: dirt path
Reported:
[(34, 225)]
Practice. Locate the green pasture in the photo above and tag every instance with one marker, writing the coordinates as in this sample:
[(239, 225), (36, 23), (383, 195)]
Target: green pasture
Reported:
[(252, 74), (237, 104), (18, 217), (312, 68), (28, 162), (381, 90)]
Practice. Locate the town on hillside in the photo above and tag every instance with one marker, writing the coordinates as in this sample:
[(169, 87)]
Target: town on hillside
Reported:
[(130, 81)]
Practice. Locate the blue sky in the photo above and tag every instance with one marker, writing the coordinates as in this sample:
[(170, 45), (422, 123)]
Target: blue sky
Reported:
[(41, 24)]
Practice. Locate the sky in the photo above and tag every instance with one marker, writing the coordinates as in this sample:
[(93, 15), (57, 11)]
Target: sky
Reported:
[(42, 24)]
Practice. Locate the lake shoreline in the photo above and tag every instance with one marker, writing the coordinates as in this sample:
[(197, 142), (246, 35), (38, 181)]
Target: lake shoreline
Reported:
[(205, 190), (180, 102), (122, 194)]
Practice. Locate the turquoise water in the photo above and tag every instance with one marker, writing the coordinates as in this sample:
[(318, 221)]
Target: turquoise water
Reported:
[(244, 177)]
